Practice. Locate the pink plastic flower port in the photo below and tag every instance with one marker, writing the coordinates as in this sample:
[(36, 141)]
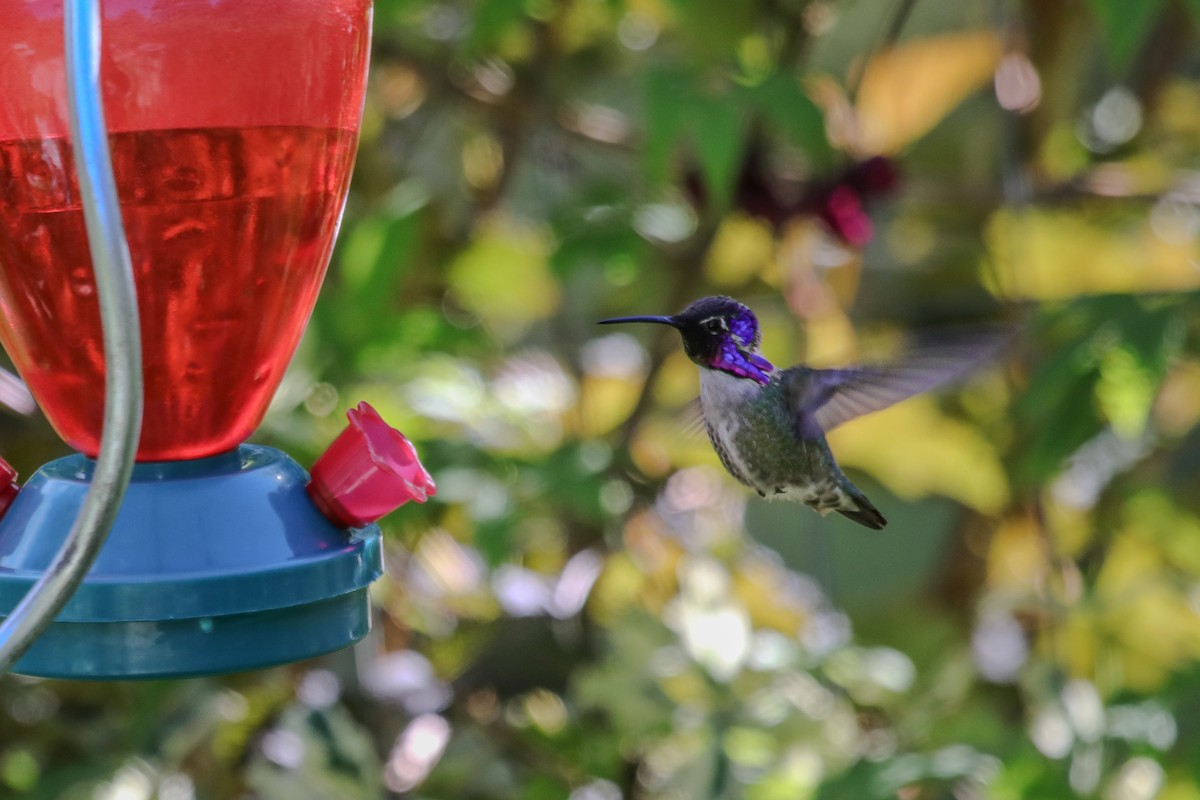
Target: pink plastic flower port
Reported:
[(368, 471), (8, 486)]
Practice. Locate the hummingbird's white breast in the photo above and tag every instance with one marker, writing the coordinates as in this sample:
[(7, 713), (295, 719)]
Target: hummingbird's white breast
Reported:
[(723, 399)]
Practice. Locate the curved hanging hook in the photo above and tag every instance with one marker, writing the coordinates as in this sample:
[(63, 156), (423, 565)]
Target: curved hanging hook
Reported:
[(122, 339)]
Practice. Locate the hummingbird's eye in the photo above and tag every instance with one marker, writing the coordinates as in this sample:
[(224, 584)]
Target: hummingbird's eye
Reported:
[(713, 325)]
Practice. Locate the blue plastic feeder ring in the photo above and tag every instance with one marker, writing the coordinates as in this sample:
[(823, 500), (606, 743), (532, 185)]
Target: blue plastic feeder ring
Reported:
[(215, 565)]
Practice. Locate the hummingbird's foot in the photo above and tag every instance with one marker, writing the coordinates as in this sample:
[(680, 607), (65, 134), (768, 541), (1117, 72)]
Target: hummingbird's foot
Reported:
[(761, 493), (780, 490)]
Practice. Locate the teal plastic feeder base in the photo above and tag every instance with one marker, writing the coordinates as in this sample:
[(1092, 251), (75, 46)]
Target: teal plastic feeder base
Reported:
[(215, 565)]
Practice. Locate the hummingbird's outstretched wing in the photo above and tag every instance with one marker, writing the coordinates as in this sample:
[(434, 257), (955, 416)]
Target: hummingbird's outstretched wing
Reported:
[(822, 399)]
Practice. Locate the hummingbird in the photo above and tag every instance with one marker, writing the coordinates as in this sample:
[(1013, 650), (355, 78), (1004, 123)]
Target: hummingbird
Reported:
[(768, 425)]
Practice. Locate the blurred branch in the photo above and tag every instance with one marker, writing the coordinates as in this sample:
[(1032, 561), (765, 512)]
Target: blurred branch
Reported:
[(793, 30), (890, 37)]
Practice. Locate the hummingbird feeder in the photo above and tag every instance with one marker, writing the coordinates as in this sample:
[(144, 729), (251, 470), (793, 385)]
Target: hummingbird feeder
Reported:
[(230, 127)]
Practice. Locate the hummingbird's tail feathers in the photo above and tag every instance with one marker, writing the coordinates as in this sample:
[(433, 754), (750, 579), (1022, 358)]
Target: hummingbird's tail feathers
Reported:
[(822, 399), (869, 516)]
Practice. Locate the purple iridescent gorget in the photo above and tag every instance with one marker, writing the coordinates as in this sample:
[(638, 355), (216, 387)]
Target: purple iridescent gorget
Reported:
[(736, 355)]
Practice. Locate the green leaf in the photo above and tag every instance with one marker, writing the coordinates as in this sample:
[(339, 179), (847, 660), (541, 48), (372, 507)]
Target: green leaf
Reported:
[(716, 134), (542, 787), (666, 92), (784, 104), (361, 300), (934, 772), (1115, 349), (396, 13), (712, 29), (1124, 25), (1060, 411), (493, 540), (492, 19), (376, 252), (1154, 335), (710, 123), (1131, 374), (19, 769), (1194, 7)]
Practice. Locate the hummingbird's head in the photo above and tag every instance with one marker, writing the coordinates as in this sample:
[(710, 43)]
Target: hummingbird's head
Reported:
[(719, 333)]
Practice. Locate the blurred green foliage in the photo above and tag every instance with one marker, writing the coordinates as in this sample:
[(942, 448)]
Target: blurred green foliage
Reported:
[(590, 609)]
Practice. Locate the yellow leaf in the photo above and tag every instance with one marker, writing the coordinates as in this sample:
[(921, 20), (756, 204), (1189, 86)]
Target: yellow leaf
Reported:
[(504, 279), (618, 588), (1157, 631), (643, 575), (1040, 254), (686, 688), (1077, 643), (759, 587), (605, 402), (907, 90), (1180, 788), (582, 24), (1149, 624), (1069, 528), (743, 249), (915, 450), (1153, 518), (1177, 407), (1016, 559), (830, 340), (1178, 112), (1132, 565)]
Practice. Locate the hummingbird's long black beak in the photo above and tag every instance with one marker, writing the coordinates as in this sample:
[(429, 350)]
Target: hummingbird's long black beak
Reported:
[(659, 320)]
